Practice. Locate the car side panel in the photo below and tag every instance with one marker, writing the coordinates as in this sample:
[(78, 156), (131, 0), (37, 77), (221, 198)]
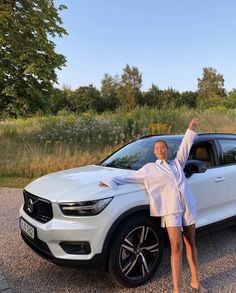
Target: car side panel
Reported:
[(231, 171), (211, 191)]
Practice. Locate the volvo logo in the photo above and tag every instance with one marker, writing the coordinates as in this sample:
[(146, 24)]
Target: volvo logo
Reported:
[(30, 205)]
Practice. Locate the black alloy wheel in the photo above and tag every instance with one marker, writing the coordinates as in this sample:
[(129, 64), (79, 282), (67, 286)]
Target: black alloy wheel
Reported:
[(136, 251)]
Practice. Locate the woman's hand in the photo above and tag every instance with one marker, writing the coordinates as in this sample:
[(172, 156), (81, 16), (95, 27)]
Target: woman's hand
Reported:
[(193, 123), (102, 184)]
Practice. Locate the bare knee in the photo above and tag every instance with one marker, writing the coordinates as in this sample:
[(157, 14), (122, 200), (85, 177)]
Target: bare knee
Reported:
[(190, 241), (189, 235), (176, 240), (176, 247)]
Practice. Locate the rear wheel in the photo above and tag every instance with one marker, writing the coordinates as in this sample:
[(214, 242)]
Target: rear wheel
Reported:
[(136, 251)]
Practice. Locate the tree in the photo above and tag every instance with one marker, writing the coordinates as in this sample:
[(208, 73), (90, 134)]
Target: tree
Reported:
[(169, 98), (151, 98), (109, 86), (211, 86), (27, 54), (60, 100), (129, 90), (87, 98), (232, 94), (189, 98), (231, 101)]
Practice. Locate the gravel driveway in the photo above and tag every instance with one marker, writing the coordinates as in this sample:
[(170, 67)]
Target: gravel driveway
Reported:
[(26, 272)]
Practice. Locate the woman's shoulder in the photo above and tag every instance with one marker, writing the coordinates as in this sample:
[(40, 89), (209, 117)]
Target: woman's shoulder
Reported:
[(149, 165)]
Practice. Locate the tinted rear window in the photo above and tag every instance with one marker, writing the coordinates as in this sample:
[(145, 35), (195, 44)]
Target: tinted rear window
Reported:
[(229, 150)]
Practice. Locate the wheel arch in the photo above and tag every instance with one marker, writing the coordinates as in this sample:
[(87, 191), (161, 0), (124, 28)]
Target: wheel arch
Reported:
[(140, 210)]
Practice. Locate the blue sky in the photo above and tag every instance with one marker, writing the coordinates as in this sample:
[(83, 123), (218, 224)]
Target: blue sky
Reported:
[(170, 41)]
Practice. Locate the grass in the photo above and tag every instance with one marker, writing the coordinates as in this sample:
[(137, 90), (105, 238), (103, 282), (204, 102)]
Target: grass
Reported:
[(14, 182), (32, 147), (22, 162)]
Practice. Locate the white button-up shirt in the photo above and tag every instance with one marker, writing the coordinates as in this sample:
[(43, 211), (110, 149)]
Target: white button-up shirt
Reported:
[(164, 182)]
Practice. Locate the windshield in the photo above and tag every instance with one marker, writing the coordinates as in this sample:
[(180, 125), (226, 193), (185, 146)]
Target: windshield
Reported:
[(136, 154)]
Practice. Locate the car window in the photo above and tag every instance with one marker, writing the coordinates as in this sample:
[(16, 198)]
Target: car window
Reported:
[(203, 151), (229, 150), (136, 154)]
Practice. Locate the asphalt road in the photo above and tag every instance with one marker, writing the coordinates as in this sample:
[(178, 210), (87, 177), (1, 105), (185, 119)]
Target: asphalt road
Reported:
[(26, 272)]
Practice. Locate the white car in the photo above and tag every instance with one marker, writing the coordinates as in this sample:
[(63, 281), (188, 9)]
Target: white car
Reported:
[(68, 218)]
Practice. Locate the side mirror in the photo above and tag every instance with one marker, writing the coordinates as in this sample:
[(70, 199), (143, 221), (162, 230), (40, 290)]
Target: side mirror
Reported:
[(194, 166)]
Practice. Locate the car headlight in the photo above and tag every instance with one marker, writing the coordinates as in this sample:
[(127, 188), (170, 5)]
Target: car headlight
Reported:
[(85, 208)]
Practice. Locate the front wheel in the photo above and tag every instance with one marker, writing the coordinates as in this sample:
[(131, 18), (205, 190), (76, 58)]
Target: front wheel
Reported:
[(136, 251)]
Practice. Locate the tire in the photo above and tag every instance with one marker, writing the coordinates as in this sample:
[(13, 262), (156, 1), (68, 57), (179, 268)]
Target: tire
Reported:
[(136, 251)]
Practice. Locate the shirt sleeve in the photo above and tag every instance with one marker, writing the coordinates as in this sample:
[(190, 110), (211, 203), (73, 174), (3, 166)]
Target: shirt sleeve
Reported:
[(185, 146), (133, 177)]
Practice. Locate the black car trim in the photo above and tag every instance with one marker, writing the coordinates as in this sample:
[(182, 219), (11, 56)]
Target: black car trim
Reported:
[(217, 225), (42, 249)]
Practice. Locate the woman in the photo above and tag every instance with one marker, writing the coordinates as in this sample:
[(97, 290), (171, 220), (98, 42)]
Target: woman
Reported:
[(172, 200)]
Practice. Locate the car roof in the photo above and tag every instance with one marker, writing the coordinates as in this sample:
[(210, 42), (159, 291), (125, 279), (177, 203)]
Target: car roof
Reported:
[(217, 134), (209, 135)]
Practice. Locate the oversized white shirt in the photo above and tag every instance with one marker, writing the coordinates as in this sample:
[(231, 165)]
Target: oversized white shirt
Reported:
[(164, 182)]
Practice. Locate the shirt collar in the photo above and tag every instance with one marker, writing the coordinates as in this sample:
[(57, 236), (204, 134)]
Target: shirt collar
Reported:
[(160, 162)]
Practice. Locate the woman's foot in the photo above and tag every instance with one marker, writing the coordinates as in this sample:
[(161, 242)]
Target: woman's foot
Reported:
[(199, 288)]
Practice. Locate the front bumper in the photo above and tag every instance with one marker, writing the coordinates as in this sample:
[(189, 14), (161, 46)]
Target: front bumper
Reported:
[(41, 248), (50, 236)]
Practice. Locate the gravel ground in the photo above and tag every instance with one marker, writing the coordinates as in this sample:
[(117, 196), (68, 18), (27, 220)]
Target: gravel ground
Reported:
[(26, 272)]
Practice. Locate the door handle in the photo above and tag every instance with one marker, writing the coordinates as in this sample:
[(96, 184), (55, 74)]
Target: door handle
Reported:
[(219, 179)]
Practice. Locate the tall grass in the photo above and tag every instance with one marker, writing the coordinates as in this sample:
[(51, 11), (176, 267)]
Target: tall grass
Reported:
[(35, 146)]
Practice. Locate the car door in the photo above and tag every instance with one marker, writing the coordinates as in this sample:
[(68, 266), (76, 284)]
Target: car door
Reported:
[(211, 188), (228, 147)]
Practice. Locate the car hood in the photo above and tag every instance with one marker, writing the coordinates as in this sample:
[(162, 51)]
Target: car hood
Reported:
[(79, 184)]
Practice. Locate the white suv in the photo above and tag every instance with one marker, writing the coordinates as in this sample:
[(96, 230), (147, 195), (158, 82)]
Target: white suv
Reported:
[(68, 218)]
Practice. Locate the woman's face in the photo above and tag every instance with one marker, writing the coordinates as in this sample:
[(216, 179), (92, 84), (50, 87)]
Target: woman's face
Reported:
[(160, 150)]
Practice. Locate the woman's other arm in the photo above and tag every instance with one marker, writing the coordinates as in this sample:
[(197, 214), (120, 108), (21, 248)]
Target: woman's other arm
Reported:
[(133, 177), (187, 142)]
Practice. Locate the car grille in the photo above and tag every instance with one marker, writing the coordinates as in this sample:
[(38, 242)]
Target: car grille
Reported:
[(37, 208)]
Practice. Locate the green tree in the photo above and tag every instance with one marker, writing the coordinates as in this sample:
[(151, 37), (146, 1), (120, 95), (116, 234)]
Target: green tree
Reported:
[(109, 87), (129, 90), (232, 94), (151, 97), (231, 101), (27, 54), (210, 86), (189, 98), (60, 100), (169, 98), (87, 98)]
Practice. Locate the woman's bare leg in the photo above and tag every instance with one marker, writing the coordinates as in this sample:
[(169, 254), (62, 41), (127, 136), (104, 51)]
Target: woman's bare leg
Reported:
[(191, 252), (176, 243)]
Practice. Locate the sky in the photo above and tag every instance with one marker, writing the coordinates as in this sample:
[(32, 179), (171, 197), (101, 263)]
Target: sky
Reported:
[(169, 41)]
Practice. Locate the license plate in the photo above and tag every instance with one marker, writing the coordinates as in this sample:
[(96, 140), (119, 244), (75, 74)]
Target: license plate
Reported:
[(27, 228)]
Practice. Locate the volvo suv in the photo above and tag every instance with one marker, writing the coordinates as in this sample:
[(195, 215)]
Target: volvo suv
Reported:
[(68, 218)]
